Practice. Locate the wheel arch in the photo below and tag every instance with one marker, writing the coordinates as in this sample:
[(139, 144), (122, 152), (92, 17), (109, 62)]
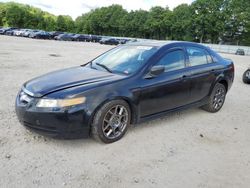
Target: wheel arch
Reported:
[(132, 106), (222, 80)]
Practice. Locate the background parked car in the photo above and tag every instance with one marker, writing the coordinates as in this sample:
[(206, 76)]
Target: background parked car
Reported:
[(16, 32), (53, 34), (65, 37), (23, 31), (95, 38), (4, 30), (11, 32), (41, 35), (33, 33), (246, 76), (240, 52), (123, 41), (79, 37), (28, 32), (110, 41)]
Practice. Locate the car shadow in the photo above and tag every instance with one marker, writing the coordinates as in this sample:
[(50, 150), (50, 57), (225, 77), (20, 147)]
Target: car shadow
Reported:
[(169, 119)]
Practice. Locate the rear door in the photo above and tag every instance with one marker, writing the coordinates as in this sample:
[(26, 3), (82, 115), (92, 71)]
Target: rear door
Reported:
[(203, 72)]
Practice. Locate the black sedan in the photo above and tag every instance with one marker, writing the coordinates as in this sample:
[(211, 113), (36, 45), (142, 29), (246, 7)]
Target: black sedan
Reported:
[(110, 41), (40, 35), (10, 32), (78, 37), (55, 33), (65, 37), (240, 52), (95, 38), (4, 30), (126, 85)]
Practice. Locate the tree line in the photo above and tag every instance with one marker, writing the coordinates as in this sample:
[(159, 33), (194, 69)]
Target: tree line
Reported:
[(210, 21)]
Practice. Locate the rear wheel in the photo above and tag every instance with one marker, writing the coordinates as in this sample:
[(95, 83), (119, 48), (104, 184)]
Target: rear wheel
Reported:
[(216, 99), (111, 121), (246, 77)]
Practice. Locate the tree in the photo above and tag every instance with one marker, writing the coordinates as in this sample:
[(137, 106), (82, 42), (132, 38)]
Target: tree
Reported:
[(208, 19), (134, 24), (14, 15), (65, 23), (180, 22), (104, 21), (2, 13), (155, 24), (81, 23), (213, 21), (237, 21)]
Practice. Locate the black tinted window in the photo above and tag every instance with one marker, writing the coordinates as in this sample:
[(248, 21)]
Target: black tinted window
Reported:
[(198, 56), (173, 60)]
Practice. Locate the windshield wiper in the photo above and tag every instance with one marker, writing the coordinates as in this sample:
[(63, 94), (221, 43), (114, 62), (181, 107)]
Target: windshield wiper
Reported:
[(104, 66)]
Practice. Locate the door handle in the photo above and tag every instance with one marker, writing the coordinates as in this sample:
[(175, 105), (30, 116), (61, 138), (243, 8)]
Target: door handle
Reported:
[(184, 78), (213, 70)]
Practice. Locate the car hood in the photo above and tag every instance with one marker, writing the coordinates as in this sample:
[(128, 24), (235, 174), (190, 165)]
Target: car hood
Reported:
[(67, 78)]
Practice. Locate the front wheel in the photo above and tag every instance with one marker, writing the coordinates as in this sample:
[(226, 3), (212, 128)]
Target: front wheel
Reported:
[(246, 77), (111, 121), (216, 99)]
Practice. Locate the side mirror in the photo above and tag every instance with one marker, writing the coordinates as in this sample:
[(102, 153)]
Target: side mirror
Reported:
[(155, 71)]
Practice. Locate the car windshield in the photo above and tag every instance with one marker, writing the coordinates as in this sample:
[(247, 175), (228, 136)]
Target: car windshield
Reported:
[(124, 59)]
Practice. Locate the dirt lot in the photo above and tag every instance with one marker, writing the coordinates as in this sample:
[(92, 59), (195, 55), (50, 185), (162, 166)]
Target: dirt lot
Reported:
[(192, 148)]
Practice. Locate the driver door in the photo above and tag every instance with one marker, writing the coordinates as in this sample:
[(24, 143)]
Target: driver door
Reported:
[(169, 90)]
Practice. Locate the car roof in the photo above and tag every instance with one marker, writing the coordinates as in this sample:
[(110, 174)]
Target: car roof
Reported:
[(160, 44)]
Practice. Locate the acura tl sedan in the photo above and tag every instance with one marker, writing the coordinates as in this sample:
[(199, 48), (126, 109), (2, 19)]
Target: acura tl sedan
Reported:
[(126, 85)]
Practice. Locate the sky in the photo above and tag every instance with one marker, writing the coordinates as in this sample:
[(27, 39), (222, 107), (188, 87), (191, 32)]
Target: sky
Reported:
[(76, 8)]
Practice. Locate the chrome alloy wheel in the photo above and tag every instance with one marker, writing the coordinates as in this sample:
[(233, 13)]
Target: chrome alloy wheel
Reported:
[(248, 74), (115, 122), (219, 98)]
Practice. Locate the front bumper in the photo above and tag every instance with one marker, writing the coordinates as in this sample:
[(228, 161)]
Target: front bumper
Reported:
[(70, 123)]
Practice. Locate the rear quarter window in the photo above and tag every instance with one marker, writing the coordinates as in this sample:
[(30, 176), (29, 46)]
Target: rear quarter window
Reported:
[(198, 56)]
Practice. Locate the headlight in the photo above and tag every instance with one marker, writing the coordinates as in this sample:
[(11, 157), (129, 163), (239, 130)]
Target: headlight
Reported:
[(53, 103)]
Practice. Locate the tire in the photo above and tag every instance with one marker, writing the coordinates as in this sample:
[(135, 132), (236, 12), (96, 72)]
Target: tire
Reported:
[(246, 77), (216, 99), (107, 122)]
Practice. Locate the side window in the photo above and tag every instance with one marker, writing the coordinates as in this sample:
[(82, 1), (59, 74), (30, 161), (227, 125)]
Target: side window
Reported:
[(173, 60), (198, 56), (209, 58)]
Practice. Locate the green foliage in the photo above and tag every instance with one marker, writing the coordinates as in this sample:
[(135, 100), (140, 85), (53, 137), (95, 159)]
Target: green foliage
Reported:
[(65, 23), (210, 21), (155, 24), (134, 24), (25, 16), (105, 20), (237, 25), (180, 23)]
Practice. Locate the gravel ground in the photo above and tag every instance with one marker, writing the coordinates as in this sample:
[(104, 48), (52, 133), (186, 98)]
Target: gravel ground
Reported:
[(191, 148)]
